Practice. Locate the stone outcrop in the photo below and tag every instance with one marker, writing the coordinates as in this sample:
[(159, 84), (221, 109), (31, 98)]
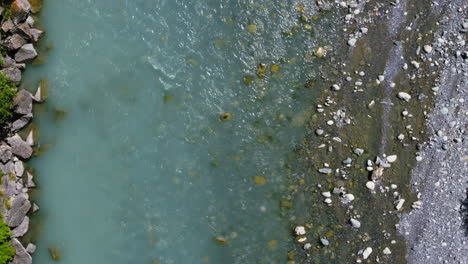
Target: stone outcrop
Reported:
[(20, 147), (14, 42), (20, 10), (23, 102), (18, 37), (21, 256), (13, 73), (21, 122), (19, 208), (25, 53), (5, 153), (20, 230)]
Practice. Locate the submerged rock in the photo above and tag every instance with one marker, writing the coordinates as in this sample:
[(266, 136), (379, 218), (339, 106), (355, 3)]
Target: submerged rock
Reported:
[(20, 147), (25, 53), (21, 255)]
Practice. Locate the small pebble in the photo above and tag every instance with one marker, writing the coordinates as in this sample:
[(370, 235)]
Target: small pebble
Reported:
[(324, 242), (387, 251), (370, 185), (399, 205), (428, 48), (300, 230), (404, 96), (355, 223), (367, 252), (348, 198), (392, 158), (352, 42)]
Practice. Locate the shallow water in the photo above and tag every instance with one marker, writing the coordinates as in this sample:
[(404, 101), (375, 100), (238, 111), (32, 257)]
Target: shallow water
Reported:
[(137, 166)]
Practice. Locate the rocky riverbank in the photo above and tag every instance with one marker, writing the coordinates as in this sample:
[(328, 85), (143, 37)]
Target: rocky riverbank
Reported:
[(436, 232), (370, 130), (18, 37)]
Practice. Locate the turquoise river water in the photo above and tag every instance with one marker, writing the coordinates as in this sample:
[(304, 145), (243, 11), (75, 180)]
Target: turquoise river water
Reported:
[(137, 166)]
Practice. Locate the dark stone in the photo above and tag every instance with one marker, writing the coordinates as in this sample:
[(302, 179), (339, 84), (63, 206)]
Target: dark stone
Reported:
[(21, 122)]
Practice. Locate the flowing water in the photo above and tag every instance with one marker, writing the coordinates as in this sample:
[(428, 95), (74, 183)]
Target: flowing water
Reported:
[(136, 165)]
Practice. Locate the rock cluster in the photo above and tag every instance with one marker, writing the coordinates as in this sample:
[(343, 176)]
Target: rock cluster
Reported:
[(18, 39)]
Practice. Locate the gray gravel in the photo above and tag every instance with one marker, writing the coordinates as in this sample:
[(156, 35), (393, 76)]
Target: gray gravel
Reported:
[(436, 232)]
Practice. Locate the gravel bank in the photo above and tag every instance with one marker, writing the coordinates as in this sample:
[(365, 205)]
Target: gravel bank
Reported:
[(436, 232)]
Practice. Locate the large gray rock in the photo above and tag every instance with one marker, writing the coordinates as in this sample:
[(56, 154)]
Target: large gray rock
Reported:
[(21, 122), (21, 255), (13, 73), (36, 34), (8, 167), (8, 62), (14, 42), (20, 230), (20, 10), (23, 102), (19, 208), (5, 153), (25, 53), (20, 147), (24, 29), (9, 186)]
